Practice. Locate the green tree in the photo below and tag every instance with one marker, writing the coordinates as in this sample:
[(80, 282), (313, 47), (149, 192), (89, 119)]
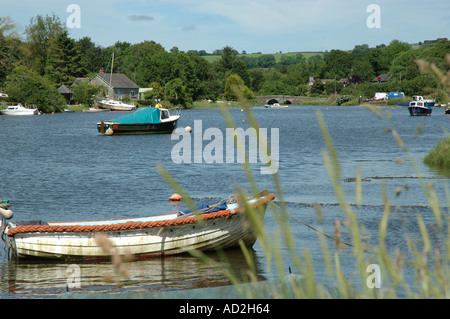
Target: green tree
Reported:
[(338, 64), (90, 55), (176, 92), (63, 60), (318, 87), (28, 87), (38, 35), (266, 61), (235, 88), (10, 46), (84, 93), (363, 68), (256, 79), (229, 63)]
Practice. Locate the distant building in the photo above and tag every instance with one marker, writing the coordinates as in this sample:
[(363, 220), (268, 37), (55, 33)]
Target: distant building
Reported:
[(118, 85), (381, 78), (66, 93), (79, 80)]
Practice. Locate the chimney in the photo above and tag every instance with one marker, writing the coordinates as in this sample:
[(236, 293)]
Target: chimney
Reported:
[(101, 71)]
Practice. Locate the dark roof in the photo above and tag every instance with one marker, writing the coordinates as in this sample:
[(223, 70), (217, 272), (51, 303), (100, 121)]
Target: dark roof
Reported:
[(381, 78), (118, 80), (64, 90), (79, 80)]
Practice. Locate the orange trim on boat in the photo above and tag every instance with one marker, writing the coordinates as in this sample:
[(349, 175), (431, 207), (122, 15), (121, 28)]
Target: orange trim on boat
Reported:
[(131, 225)]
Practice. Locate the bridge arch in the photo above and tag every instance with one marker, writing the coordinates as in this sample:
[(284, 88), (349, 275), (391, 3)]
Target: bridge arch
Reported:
[(272, 101)]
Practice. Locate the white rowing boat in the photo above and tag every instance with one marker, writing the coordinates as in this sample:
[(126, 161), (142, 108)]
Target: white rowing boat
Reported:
[(222, 226)]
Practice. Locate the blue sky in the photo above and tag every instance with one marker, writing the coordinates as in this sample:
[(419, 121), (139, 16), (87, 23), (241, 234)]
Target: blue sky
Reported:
[(266, 26)]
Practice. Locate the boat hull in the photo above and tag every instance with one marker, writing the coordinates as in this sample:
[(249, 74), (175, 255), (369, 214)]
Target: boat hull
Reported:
[(116, 106), (166, 236), (151, 242), (138, 128), (25, 112), (419, 111)]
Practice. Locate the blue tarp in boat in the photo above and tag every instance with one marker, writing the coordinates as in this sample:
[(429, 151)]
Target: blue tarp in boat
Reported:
[(141, 115), (207, 208)]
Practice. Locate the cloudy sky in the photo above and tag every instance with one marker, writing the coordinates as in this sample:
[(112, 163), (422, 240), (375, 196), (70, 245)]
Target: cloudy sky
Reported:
[(266, 26)]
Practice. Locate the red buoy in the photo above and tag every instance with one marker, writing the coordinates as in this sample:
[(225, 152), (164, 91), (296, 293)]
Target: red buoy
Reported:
[(175, 197)]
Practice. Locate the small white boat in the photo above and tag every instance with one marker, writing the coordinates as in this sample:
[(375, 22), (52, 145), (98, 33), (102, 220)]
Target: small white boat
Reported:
[(275, 106), (114, 105), (19, 109), (95, 110), (222, 225)]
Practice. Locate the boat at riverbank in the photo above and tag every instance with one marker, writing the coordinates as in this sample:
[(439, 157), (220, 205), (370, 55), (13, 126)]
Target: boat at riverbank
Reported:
[(19, 110), (114, 105), (222, 225), (145, 120)]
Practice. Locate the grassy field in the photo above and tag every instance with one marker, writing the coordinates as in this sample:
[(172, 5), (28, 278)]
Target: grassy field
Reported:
[(306, 54)]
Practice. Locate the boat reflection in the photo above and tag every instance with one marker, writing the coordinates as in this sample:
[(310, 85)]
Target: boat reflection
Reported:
[(41, 279)]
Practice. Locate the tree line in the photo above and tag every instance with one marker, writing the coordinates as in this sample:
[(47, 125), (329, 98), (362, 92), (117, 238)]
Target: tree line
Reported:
[(33, 65)]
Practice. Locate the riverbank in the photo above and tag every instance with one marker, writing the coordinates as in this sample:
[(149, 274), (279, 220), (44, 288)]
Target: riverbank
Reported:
[(329, 101)]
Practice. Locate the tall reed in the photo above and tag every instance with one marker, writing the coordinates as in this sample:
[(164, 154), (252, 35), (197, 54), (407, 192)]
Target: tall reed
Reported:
[(429, 265)]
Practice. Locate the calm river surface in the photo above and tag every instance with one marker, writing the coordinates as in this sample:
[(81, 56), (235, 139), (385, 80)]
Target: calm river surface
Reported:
[(58, 168)]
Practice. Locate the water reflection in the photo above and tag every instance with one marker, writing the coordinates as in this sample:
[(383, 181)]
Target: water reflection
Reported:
[(38, 279)]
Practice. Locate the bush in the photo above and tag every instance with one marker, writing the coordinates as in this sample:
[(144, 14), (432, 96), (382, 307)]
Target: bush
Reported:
[(27, 87), (234, 87), (343, 98), (439, 157)]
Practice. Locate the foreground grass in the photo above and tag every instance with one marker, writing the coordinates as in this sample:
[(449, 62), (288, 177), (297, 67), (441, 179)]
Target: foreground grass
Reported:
[(378, 271)]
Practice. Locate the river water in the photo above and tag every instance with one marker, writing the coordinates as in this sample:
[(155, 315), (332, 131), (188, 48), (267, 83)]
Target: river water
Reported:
[(58, 168)]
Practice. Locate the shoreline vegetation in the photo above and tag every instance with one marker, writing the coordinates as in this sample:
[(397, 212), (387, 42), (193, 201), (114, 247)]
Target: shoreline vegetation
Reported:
[(38, 62)]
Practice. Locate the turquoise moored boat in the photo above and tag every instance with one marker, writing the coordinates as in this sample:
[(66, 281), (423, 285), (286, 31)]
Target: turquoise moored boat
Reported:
[(146, 120)]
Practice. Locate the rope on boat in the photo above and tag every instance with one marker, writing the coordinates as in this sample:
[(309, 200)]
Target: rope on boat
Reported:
[(133, 225)]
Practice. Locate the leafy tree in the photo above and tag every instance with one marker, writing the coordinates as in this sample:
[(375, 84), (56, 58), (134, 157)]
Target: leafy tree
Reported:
[(176, 92), (28, 87), (266, 61), (363, 68), (235, 88), (360, 49), (318, 87), (90, 55), (38, 35), (379, 61), (229, 63), (63, 60), (256, 79), (338, 64), (9, 47), (333, 87), (83, 93)]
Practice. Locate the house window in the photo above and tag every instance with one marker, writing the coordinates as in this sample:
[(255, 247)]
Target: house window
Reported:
[(133, 93)]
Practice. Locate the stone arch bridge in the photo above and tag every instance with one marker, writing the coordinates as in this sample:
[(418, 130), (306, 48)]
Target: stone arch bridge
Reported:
[(283, 99)]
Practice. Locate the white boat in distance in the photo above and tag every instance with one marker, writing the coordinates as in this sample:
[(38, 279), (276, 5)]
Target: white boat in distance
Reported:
[(222, 225), (275, 106), (19, 109), (114, 105)]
